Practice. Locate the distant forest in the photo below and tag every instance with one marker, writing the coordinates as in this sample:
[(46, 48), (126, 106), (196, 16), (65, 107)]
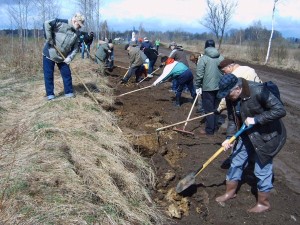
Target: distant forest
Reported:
[(233, 36)]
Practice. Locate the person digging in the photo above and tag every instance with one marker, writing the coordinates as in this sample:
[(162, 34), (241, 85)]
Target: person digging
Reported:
[(253, 104), (180, 72)]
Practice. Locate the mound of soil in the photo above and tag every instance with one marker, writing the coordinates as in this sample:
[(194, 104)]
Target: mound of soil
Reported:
[(174, 154)]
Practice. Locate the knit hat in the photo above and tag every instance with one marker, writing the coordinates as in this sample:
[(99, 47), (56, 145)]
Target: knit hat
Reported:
[(226, 83), (126, 46), (209, 43), (146, 39), (225, 63)]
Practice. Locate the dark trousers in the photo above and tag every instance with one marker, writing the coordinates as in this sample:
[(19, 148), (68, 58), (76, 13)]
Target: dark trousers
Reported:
[(137, 70), (186, 78), (210, 102), (48, 67), (151, 66)]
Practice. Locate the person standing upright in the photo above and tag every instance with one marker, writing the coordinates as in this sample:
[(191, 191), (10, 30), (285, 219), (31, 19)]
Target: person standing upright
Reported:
[(60, 34), (88, 40), (207, 80), (157, 43)]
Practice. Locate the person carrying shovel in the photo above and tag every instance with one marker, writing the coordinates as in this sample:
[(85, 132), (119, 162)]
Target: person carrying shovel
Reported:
[(60, 48), (180, 72), (253, 104)]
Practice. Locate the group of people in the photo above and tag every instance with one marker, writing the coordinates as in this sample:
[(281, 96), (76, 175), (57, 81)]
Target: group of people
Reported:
[(142, 59), (245, 97), (224, 84)]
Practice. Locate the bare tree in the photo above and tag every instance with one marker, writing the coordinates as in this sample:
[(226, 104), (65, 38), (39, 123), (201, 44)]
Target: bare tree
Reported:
[(47, 9), (103, 30), (272, 31), (142, 31), (90, 9), (218, 16), (18, 10)]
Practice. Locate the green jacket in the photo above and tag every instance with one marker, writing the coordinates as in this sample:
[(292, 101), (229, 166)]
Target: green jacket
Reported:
[(208, 74), (157, 42), (102, 52)]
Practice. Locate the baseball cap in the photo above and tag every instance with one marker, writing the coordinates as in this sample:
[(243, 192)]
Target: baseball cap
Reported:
[(226, 83)]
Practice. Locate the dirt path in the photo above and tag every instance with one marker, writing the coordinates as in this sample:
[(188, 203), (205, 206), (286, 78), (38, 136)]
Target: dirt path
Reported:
[(176, 155)]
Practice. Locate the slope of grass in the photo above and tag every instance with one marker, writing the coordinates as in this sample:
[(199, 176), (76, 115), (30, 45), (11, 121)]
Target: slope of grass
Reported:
[(65, 161)]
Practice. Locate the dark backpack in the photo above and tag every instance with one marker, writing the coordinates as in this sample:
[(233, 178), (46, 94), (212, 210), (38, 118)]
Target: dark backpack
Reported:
[(273, 88)]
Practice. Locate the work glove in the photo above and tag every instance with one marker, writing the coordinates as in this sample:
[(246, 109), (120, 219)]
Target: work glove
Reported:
[(199, 91), (67, 60)]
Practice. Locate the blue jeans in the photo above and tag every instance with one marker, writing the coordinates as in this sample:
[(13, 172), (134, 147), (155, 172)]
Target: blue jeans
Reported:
[(88, 47), (151, 65), (186, 78), (48, 67), (210, 102), (239, 160)]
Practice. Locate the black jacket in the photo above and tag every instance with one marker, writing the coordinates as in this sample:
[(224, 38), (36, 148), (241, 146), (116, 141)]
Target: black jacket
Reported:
[(151, 53), (268, 135)]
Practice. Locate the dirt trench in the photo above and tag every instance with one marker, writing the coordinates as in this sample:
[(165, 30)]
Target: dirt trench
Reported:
[(174, 155)]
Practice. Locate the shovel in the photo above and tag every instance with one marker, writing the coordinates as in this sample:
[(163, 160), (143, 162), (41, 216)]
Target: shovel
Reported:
[(183, 128), (190, 179)]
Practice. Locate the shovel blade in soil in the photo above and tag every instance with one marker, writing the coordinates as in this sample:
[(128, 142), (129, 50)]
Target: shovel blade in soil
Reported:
[(185, 183)]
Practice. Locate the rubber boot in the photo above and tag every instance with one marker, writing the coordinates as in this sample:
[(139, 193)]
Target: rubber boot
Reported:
[(231, 187), (262, 204)]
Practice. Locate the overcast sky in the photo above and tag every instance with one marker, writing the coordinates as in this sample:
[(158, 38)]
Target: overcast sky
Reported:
[(185, 14)]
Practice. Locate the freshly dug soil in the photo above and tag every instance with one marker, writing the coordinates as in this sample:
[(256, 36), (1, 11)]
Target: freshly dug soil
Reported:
[(174, 154)]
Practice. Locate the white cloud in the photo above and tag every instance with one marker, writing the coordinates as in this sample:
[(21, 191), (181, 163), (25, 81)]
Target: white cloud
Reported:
[(185, 14), (188, 13)]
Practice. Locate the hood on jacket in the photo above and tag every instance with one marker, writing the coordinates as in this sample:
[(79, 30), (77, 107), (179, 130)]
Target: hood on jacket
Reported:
[(211, 52)]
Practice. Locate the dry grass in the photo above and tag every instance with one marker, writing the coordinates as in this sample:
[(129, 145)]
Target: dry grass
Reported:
[(65, 161)]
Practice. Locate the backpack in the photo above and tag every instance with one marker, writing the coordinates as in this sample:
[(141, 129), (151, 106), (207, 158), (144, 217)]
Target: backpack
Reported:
[(273, 88)]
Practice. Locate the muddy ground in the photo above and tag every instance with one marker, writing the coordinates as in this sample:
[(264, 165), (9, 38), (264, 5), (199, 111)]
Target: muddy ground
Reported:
[(174, 155)]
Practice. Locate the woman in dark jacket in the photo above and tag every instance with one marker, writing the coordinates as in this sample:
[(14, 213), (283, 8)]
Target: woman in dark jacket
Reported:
[(253, 104)]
